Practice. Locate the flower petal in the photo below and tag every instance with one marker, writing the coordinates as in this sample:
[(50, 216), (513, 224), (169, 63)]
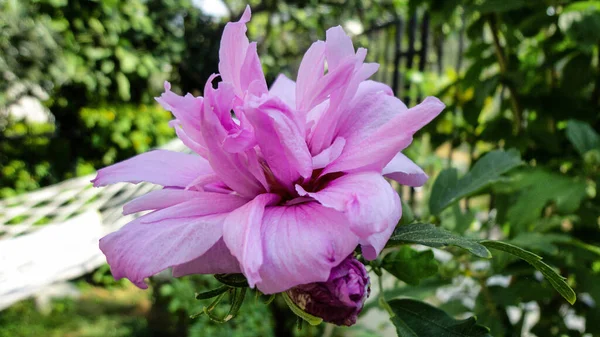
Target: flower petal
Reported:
[(310, 73), (232, 52), (281, 138), (329, 154), (367, 199), (186, 110), (203, 203), (242, 233), (139, 250), (301, 244), (339, 46), (284, 89), (252, 73), (405, 171), (161, 167), (158, 200), (217, 260), (375, 151), (231, 167)]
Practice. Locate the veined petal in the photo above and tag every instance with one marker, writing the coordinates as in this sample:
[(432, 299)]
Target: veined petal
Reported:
[(161, 167), (281, 138), (203, 203), (367, 199), (217, 260), (301, 244), (242, 233), (284, 89), (375, 151), (194, 145), (139, 250), (405, 171), (158, 200)]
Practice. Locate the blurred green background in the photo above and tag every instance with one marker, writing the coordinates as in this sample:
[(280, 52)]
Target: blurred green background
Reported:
[(78, 79)]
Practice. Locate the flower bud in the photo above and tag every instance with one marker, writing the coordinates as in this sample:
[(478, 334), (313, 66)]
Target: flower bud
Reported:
[(340, 299)]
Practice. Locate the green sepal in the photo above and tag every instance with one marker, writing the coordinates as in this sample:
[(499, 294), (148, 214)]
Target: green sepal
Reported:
[(232, 280), (312, 320)]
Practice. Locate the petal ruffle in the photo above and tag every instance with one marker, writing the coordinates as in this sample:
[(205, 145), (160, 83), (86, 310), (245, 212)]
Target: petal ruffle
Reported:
[(301, 243), (161, 167), (405, 171)]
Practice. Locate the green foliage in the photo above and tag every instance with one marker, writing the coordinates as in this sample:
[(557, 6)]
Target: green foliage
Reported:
[(432, 236), (415, 318), (448, 189), (409, 265)]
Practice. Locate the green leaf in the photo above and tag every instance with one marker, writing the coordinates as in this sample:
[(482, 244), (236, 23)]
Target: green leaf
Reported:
[(448, 189), (432, 236), (427, 321), (583, 137), (123, 86), (535, 193), (402, 329), (557, 281), (409, 265)]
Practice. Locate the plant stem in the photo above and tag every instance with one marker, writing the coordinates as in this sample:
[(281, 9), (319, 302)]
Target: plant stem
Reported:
[(503, 62)]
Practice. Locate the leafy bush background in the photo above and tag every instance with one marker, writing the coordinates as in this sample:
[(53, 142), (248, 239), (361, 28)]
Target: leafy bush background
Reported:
[(526, 83)]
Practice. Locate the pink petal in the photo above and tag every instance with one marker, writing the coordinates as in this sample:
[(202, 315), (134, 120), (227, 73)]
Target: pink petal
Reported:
[(281, 138), (375, 151), (309, 74), (405, 171), (231, 167), (139, 250), (301, 244), (159, 167), (187, 111), (242, 233), (372, 245), (252, 73), (339, 46), (367, 112), (232, 52), (367, 199), (203, 203), (158, 200), (329, 154), (192, 144), (284, 89), (217, 260)]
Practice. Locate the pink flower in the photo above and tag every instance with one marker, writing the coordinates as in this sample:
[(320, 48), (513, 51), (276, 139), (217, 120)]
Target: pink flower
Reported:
[(284, 191)]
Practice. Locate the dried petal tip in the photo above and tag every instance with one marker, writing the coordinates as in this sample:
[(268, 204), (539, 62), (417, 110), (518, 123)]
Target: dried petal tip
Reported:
[(340, 299)]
